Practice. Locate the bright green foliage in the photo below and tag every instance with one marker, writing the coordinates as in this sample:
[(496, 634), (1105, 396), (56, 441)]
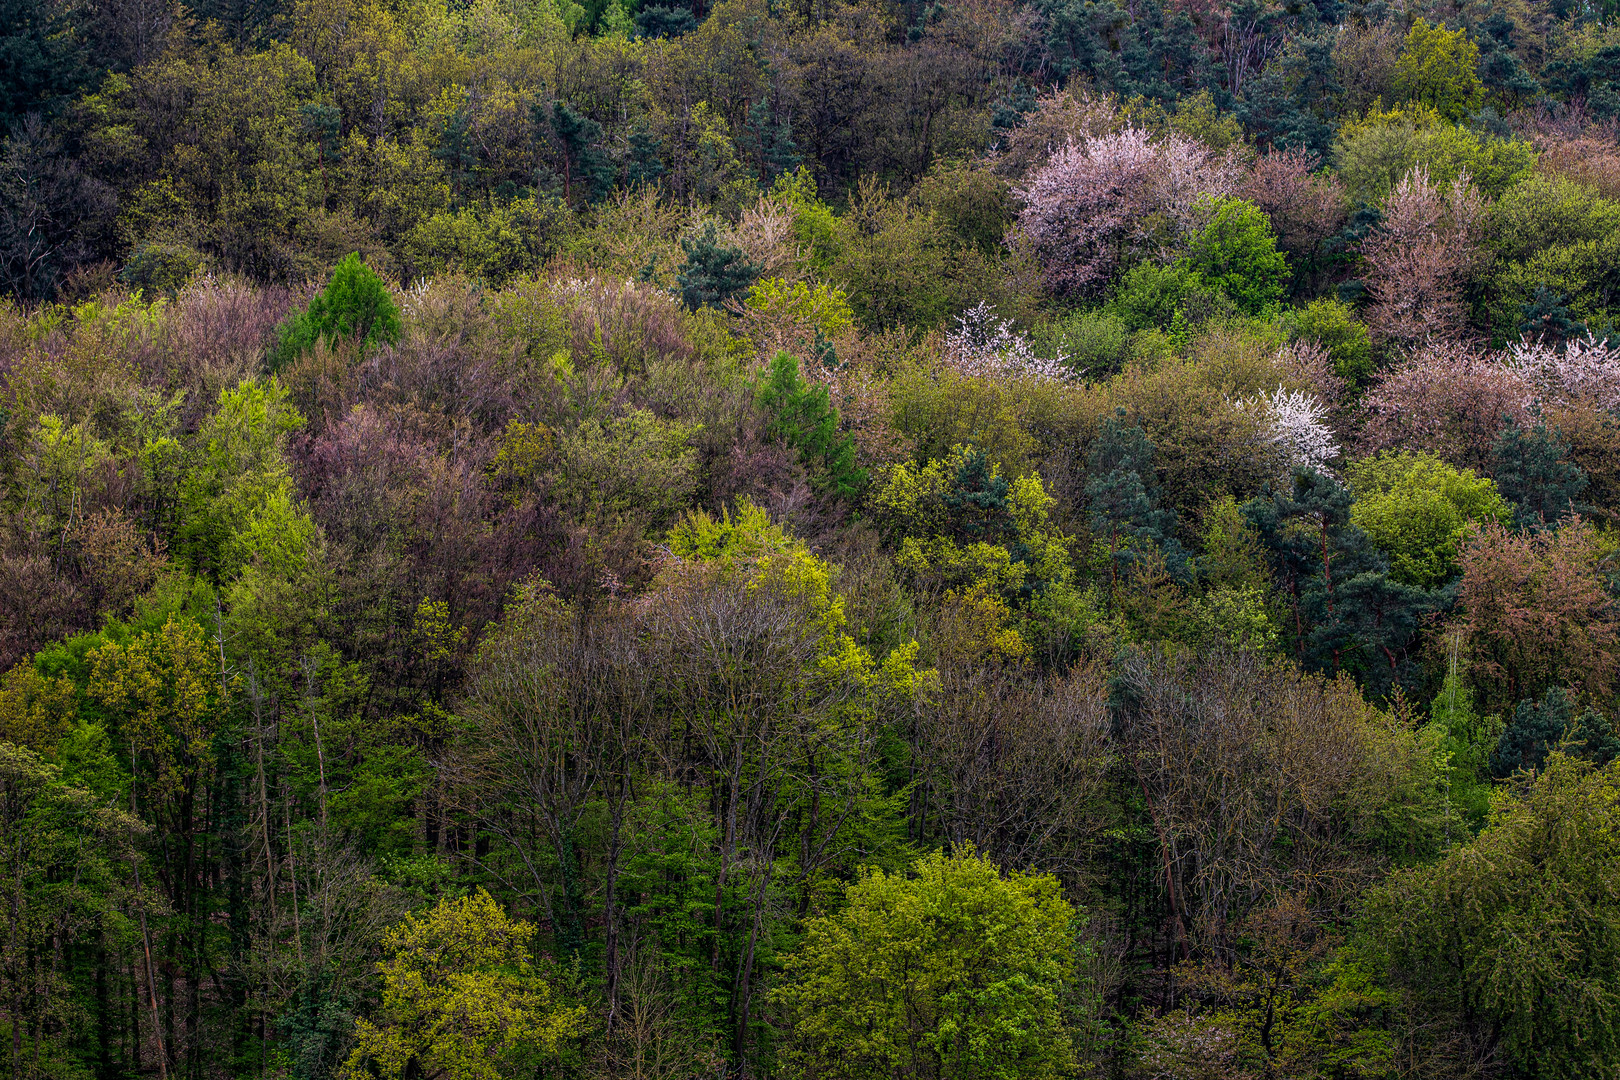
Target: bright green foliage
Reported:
[(803, 418), (1438, 68), (824, 308), (1552, 238), (815, 226), (162, 692), (1150, 296), (1416, 508), (1468, 739), (461, 999), (1372, 154), (959, 521), (713, 272), (35, 709), (1519, 933), (1334, 325), (492, 243), (354, 306), (238, 506), (1237, 252), (956, 971)]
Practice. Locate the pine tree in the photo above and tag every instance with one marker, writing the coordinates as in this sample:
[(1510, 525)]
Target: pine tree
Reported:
[(665, 22), (770, 142), (584, 161), (1539, 727), (1348, 613), (1546, 319), (713, 274), (1122, 501), (646, 163), (1533, 472)]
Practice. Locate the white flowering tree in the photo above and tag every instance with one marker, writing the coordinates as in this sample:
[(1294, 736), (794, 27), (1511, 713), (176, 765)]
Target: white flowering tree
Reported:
[(984, 345), (1295, 422)]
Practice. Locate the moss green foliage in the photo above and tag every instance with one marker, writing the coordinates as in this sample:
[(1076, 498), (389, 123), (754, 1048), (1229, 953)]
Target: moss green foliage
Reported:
[(1150, 296), (1417, 509), (1333, 324), (952, 970), (1097, 342), (1438, 70), (1516, 930), (1374, 152)]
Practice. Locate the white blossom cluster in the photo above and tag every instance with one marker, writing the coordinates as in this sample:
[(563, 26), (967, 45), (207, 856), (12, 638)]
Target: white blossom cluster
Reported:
[(1586, 369), (986, 346), (1296, 423)]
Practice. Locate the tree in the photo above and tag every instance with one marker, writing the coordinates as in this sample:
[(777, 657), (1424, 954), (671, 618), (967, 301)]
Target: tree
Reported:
[(461, 999), (1250, 771), (59, 848), (1305, 207), (1438, 68), (1237, 251), (1533, 470), (713, 273), (582, 158), (1540, 727), (1122, 500), (1097, 203), (42, 54), (1449, 400), (354, 306), (1537, 613), (238, 506), (803, 417), (1417, 509), (1347, 613), (1515, 938), (1420, 256), (955, 972), (1333, 324)]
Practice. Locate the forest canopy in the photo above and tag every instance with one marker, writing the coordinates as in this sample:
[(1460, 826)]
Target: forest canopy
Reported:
[(826, 539)]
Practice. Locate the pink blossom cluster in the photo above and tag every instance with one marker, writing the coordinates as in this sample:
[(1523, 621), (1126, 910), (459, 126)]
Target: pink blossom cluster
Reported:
[(1109, 194), (1449, 399)]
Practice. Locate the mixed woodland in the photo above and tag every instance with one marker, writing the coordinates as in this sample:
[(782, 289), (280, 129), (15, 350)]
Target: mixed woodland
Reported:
[(842, 539)]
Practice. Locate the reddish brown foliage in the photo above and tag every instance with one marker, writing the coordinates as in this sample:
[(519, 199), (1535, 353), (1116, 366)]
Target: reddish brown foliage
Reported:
[(1419, 258), (1593, 162), (1305, 207), (1537, 614), (217, 336), (1449, 400)]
